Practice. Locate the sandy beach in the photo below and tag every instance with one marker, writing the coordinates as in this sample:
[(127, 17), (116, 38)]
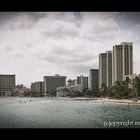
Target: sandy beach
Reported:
[(126, 101), (37, 99)]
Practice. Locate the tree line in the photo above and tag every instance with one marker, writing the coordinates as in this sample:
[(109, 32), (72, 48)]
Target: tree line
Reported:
[(120, 90)]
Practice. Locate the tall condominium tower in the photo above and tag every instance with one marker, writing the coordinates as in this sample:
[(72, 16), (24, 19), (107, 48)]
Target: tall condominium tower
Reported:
[(93, 79), (102, 69), (105, 68), (122, 61), (109, 67)]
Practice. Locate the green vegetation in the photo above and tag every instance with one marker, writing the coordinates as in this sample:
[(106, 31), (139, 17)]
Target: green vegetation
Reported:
[(126, 89), (33, 94), (120, 90)]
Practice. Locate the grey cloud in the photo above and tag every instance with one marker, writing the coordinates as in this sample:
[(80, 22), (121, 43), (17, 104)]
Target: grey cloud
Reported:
[(127, 20), (8, 48), (62, 41), (18, 55), (62, 51), (63, 55), (22, 20), (4, 16), (130, 17), (62, 16), (13, 51), (61, 29), (62, 59), (36, 15)]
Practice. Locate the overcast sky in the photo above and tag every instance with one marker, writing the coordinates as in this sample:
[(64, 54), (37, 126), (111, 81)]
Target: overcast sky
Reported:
[(35, 44)]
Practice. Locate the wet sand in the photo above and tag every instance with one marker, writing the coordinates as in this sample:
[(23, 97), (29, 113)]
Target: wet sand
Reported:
[(126, 101)]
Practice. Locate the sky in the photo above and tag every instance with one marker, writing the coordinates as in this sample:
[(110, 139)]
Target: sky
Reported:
[(36, 44)]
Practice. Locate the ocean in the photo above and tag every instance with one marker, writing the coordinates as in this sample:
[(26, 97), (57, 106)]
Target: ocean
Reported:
[(66, 113)]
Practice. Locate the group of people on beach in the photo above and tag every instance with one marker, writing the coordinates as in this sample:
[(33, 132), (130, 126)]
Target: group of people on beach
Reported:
[(24, 101)]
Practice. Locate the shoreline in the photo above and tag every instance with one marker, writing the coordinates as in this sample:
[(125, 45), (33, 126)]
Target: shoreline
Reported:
[(126, 101), (103, 99)]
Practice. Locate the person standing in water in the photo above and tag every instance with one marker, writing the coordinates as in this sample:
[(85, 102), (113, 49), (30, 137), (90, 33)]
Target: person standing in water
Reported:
[(30, 99)]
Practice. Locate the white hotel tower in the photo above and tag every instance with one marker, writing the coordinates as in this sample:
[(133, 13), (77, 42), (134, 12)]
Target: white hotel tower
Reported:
[(122, 61)]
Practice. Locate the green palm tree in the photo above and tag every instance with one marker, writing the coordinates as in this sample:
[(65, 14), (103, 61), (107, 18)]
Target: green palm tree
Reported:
[(136, 86), (127, 81), (118, 89), (127, 89), (104, 89)]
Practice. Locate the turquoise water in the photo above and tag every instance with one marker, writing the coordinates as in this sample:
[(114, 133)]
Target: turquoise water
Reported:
[(56, 113)]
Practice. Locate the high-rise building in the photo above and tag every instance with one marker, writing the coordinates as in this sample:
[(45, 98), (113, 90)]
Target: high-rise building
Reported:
[(7, 84), (122, 61), (93, 79), (38, 88), (102, 69), (109, 67), (105, 68), (52, 82)]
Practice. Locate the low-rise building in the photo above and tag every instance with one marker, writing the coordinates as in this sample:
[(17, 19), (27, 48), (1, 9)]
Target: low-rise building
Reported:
[(75, 81), (76, 88), (70, 82), (37, 88), (62, 91), (68, 91), (77, 85), (83, 81), (21, 90)]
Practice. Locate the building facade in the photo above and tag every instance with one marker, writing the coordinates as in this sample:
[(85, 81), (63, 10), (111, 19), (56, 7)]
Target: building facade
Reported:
[(69, 91), (109, 67), (52, 82), (75, 82), (93, 79), (102, 69), (70, 82), (83, 81), (7, 84), (122, 61), (21, 90), (78, 79), (38, 88), (105, 69)]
